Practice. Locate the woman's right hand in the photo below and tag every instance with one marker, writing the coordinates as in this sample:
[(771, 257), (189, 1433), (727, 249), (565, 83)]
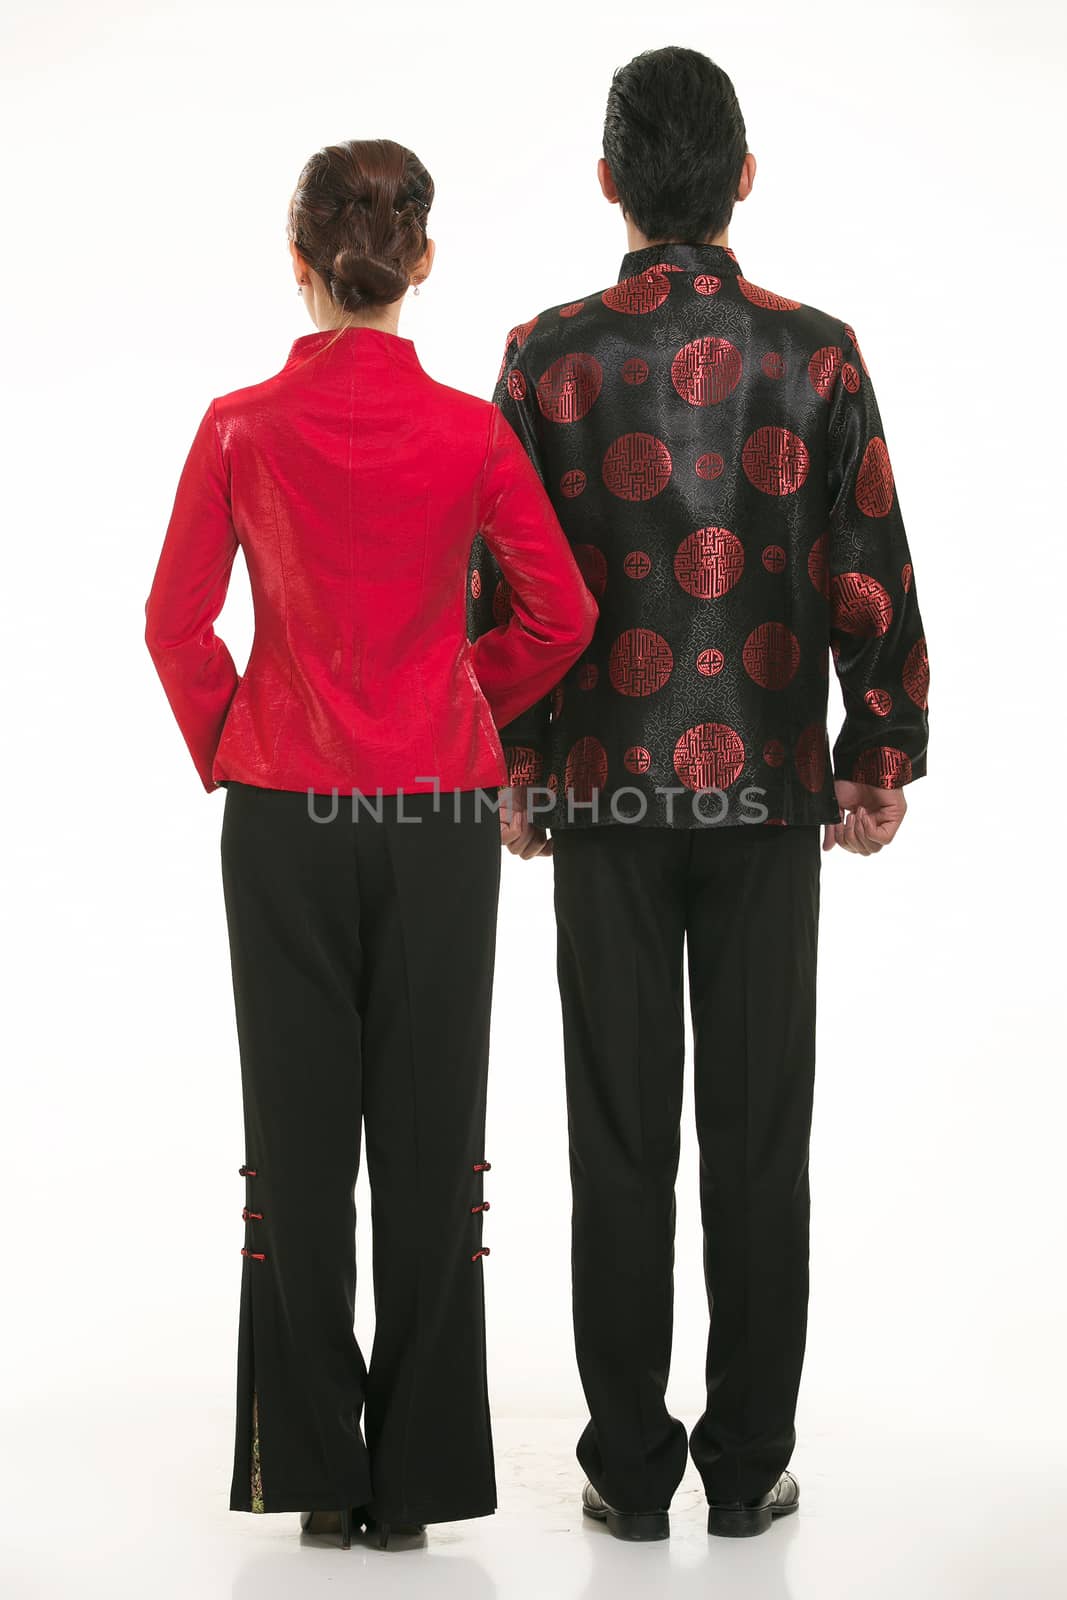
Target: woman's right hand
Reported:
[(517, 833)]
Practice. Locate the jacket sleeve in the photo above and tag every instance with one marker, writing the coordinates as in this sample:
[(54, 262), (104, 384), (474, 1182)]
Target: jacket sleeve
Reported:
[(544, 614), (876, 631), (524, 738), (187, 593)]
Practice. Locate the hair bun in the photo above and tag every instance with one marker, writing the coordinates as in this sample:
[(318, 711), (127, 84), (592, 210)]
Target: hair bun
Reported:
[(361, 279)]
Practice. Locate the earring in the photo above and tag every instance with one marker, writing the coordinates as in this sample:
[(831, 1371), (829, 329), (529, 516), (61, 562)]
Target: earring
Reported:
[(416, 288)]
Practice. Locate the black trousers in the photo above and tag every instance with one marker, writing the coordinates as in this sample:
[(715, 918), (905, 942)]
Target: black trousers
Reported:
[(362, 956), (745, 901)]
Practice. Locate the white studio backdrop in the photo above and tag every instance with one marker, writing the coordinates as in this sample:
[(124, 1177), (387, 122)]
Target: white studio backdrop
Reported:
[(909, 181)]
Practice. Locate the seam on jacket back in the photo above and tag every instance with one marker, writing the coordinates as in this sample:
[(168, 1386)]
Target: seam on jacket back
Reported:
[(285, 628)]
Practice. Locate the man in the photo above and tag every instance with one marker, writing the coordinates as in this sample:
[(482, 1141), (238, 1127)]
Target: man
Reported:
[(715, 453)]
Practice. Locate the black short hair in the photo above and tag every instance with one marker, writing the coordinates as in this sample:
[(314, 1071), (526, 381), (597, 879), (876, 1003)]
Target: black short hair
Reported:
[(674, 138)]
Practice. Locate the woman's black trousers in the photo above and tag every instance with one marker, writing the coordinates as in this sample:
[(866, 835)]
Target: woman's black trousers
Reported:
[(362, 939)]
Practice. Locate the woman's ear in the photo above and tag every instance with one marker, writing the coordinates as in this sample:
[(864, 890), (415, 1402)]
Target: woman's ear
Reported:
[(300, 267), (424, 266)]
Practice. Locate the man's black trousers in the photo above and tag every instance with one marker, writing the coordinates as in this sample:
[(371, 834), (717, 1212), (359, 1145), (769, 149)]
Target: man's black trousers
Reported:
[(744, 902), (362, 957)]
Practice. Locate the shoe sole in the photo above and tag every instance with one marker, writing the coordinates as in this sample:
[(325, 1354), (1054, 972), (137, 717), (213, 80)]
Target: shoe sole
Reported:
[(744, 1522), (639, 1527)]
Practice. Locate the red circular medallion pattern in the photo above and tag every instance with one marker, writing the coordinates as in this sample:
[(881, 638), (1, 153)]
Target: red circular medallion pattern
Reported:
[(859, 604), (572, 483), (572, 310), (818, 565), (766, 298), (850, 377), (771, 655), (637, 565), (521, 332), (570, 387), (850, 333), (524, 765), (637, 296), (823, 369), (588, 675), (516, 384), (880, 701), (593, 566), (707, 283), (874, 481), (774, 558), (586, 768), (775, 460), (641, 661), (710, 663), (885, 768), (476, 583), (634, 371), (916, 674), (705, 371), (637, 466), (906, 575), (709, 756), (773, 365), (709, 562), (710, 465), (810, 757), (637, 759), (774, 752)]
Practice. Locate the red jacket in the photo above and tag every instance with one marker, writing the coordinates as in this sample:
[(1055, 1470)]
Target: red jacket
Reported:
[(354, 484)]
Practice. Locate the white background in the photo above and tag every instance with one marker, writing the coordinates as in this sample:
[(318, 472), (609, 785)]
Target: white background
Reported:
[(910, 181)]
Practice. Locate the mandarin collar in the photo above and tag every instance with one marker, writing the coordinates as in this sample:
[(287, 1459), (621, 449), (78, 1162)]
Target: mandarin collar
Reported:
[(375, 343), (714, 259)]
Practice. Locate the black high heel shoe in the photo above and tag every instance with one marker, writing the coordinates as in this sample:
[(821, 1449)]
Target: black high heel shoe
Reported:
[(406, 1532), (329, 1522)]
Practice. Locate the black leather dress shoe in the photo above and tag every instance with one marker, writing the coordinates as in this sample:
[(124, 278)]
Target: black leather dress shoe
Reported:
[(739, 1519), (635, 1525)]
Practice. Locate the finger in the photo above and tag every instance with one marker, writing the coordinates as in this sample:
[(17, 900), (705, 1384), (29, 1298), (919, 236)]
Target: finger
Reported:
[(850, 841), (870, 833), (865, 843)]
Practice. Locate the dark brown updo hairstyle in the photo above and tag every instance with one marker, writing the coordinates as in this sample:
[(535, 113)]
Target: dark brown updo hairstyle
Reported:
[(358, 217)]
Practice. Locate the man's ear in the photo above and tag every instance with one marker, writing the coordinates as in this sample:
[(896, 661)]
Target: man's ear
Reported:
[(607, 182), (747, 178)]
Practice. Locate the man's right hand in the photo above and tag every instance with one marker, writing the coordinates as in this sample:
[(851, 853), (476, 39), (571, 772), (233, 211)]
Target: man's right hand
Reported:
[(872, 818), (517, 833)]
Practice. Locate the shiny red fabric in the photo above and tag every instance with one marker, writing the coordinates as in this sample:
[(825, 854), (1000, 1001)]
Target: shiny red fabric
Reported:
[(355, 483)]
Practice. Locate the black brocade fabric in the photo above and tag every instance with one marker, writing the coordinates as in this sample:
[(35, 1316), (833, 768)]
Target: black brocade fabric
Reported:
[(715, 454)]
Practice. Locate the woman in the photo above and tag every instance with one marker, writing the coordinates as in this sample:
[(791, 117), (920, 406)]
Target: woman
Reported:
[(360, 849)]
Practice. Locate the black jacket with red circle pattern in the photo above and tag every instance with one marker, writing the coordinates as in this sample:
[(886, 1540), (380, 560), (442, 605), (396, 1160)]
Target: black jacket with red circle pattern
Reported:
[(715, 454)]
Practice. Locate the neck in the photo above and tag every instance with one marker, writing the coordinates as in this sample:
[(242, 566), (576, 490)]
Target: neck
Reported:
[(326, 317), (640, 241), (384, 318)]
